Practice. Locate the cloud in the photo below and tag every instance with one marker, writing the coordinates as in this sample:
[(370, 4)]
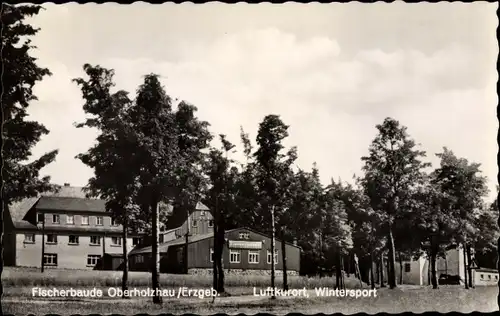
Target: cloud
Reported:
[(331, 100)]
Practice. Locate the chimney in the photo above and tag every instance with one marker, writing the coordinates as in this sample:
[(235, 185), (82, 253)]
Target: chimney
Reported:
[(66, 184)]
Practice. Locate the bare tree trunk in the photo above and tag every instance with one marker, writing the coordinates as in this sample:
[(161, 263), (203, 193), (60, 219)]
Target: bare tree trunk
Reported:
[(372, 276), (125, 259), (434, 280), (221, 231), (465, 267), (391, 278), (216, 251), (338, 272), (43, 243), (273, 268), (186, 244), (382, 283), (283, 255), (157, 299), (469, 270), (400, 269)]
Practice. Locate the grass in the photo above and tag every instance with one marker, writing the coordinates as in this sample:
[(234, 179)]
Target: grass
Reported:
[(25, 277), (415, 300)]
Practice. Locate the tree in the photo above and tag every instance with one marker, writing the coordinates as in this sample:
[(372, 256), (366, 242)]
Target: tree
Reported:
[(465, 188), (392, 168), (20, 73), (221, 198), (112, 156), (269, 166)]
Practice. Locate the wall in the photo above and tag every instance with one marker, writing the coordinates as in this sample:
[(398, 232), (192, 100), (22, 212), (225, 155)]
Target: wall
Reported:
[(202, 218), (240, 272), (485, 278), (413, 277), (69, 256), (199, 253)]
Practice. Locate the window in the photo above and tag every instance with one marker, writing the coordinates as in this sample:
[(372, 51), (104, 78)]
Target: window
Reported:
[(139, 259), (114, 222), (40, 217), (50, 259), (136, 241), (210, 223), (95, 240), (482, 276), (235, 256), (161, 238), (202, 213), (489, 276), (73, 240), (407, 267), (29, 238), (85, 220), (253, 257), (496, 277), (244, 235), (51, 239), (212, 255), (116, 241), (92, 260), (275, 257), (70, 219), (99, 220), (55, 219), (195, 223)]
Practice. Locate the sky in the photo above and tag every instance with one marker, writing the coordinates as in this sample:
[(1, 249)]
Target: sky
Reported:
[(331, 71)]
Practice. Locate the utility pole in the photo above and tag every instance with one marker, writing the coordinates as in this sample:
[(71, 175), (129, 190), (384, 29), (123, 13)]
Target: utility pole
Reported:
[(187, 243)]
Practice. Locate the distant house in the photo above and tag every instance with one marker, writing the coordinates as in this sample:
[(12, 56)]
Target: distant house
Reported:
[(418, 272), (77, 231), (245, 251)]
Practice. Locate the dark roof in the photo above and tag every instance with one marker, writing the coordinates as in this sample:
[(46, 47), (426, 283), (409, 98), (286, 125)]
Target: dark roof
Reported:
[(113, 255), (70, 204), (163, 247), (487, 270), (18, 210)]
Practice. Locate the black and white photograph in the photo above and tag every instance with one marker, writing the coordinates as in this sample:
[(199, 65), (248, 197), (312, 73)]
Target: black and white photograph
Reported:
[(246, 158)]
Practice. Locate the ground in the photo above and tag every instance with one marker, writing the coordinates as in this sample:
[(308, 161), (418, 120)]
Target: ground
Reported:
[(18, 300)]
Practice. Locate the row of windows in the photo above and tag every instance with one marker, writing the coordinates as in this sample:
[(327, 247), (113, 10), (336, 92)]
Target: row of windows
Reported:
[(253, 256), (210, 223), (489, 277), (50, 259), (74, 240), (70, 219)]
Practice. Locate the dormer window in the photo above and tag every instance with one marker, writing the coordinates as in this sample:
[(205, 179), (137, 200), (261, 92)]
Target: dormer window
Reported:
[(244, 235), (55, 219), (195, 223), (99, 220), (40, 217), (85, 220), (210, 223), (202, 213), (70, 219), (114, 222)]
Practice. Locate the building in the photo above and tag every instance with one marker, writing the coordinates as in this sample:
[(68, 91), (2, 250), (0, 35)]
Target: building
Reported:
[(483, 277), (77, 232), (418, 272), (246, 252)]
